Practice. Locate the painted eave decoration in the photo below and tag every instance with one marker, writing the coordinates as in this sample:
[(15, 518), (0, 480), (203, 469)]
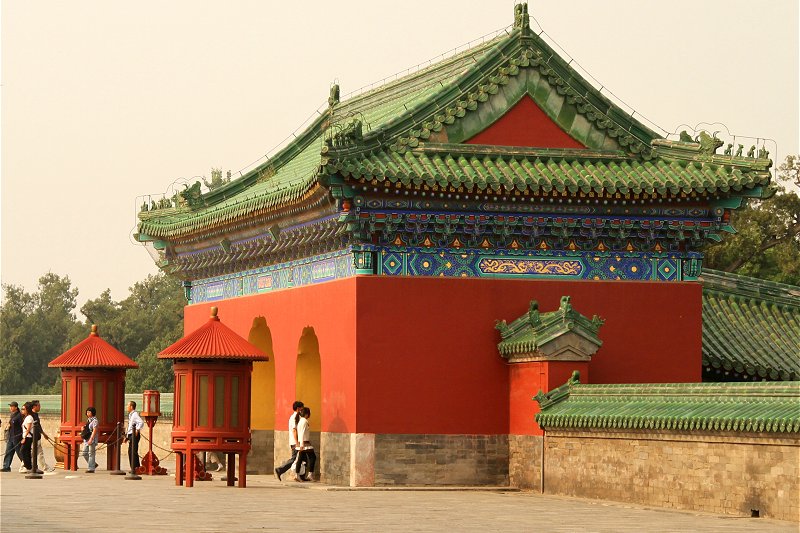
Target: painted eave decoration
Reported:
[(763, 407)]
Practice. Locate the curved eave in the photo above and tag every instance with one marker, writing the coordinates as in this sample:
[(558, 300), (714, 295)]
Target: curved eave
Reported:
[(79, 364), (175, 227), (216, 357)]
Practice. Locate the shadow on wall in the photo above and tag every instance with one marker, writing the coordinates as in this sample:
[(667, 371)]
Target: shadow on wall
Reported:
[(308, 380), (262, 402)]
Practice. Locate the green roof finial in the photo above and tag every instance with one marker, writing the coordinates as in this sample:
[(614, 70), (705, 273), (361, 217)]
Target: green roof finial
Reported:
[(333, 99), (521, 20)]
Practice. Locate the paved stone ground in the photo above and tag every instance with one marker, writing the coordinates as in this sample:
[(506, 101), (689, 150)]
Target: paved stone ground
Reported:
[(76, 501)]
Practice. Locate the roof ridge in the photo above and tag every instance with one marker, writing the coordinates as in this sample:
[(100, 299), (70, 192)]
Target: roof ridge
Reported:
[(432, 67)]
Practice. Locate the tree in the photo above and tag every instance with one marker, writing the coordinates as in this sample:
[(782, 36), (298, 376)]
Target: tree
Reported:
[(39, 326), (767, 241), (153, 373), (36, 328), (140, 326)]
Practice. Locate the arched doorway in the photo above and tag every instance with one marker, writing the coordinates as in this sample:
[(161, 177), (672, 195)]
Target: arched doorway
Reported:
[(308, 380), (262, 403)]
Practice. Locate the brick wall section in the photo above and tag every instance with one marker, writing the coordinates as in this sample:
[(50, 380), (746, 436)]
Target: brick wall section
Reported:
[(261, 456), (441, 460), (712, 472), (335, 455), (524, 461)]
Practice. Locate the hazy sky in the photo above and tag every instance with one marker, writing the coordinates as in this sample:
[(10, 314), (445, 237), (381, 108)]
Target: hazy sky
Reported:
[(103, 101)]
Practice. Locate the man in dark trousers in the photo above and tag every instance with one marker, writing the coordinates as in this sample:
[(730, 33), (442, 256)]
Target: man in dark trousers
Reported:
[(135, 424), (13, 437), (298, 407), (41, 462)]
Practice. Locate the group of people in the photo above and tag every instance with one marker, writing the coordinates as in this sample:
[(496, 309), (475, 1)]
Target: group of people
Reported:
[(303, 455), (23, 427), (21, 430), (89, 434)]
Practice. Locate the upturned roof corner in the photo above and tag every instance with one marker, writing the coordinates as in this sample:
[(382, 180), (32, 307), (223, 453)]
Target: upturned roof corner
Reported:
[(559, 394)]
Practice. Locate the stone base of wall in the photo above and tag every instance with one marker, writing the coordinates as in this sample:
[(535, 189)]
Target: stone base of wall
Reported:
[(262, 451), (441, 460), (335, 458), (524, 461), (713, 472), (365, 459)]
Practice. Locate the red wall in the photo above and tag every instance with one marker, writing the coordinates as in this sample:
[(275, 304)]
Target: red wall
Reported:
[(427, 354), (329, 309), (525, 124), (427, 348), (526, 380)]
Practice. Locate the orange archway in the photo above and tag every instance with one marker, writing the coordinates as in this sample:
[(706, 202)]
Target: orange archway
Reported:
[(262, 403), (308, 380)]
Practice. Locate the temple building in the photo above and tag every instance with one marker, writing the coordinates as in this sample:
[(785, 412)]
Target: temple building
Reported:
[(372, 256)]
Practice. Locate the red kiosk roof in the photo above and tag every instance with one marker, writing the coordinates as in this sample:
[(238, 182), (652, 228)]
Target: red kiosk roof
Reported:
[(93, 352), (213, 340)]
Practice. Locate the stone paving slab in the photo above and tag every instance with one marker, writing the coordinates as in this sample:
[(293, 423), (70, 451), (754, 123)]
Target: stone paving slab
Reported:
[(76, 501)]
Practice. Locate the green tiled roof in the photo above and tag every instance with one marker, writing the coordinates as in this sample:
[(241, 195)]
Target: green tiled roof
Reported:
[(534, 329), (751, 327), (546, 170), (410, 131), (772, 407), (290, 174)]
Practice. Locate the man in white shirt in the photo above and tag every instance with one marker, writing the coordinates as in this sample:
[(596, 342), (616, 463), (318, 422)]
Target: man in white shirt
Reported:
[(297, 408), (304, 447), (135, 424)]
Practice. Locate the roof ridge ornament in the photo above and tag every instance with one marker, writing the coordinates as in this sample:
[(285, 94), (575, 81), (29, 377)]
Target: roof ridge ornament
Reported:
[(559, 394), (521, 18), (333, 99)]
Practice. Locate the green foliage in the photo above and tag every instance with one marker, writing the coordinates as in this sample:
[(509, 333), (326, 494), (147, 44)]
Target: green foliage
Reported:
[(140, 326), (39, 326), (35, 329), (153, 373), (767, 242)]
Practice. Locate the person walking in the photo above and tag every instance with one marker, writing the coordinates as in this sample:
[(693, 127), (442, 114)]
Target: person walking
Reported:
[(132, 433), (90, 440), (27, 438), (304, 448), (297, 407), (41, 463), (13, 437)]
